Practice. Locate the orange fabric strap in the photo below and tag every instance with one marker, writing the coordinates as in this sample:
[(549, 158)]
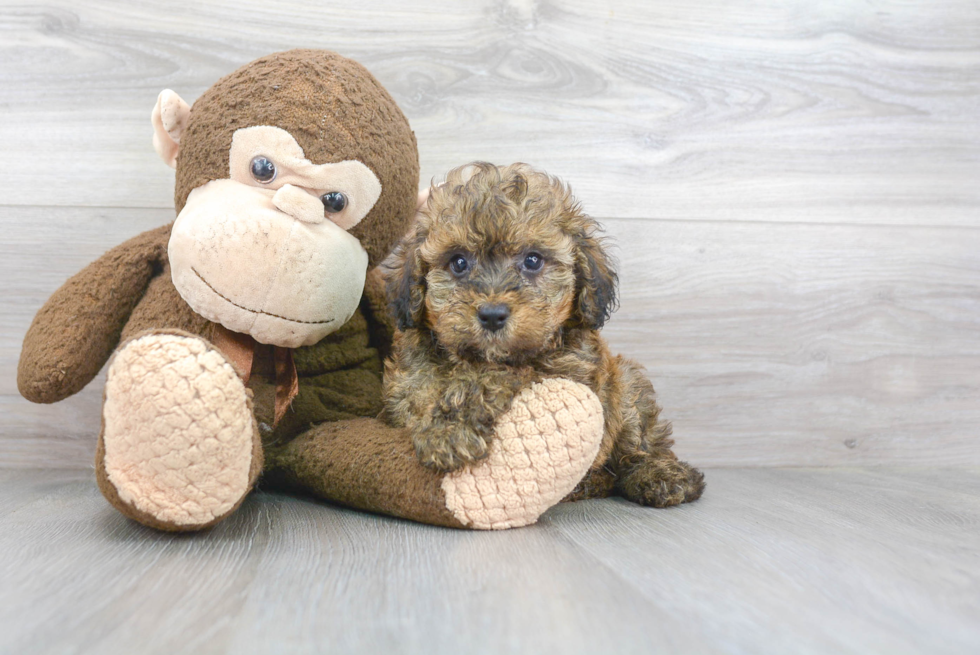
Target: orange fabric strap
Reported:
[(287, 381), (240, 351), (238, 348)]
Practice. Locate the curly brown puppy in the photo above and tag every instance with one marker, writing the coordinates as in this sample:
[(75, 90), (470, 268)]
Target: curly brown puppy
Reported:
[(505, 281)]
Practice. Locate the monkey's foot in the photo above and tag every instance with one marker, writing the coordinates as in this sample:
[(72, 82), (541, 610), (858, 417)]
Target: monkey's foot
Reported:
[(179, 448), (541, 448)]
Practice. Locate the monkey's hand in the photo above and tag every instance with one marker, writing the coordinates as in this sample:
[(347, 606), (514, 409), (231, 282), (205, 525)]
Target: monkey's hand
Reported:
[(77, 329)]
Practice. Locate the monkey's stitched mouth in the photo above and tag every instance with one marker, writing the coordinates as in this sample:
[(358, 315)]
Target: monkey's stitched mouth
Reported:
[(255, 311)]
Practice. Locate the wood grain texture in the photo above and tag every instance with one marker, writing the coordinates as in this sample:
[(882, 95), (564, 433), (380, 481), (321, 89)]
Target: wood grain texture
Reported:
[(780, 111), (806, 344), (769, 561), (769, 344), (792, 188), (40, 249), (806, 561)]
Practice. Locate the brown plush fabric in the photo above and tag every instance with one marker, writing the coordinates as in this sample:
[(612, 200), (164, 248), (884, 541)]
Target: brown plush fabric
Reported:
[(339, 378), (334, 108), (161, 307), (364, 464), (381, 323), (77, 329)]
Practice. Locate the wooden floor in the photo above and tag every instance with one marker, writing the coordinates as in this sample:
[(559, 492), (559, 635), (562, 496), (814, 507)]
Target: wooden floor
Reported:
[(769, 561)]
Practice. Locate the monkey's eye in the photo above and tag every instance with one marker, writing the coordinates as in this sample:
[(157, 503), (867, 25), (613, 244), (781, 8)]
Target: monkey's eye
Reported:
[(533, 261), (458, 264), (334, 202), (263, 170)]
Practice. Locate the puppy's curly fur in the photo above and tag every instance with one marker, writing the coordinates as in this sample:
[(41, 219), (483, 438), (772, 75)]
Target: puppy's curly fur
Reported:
[(505, 281)]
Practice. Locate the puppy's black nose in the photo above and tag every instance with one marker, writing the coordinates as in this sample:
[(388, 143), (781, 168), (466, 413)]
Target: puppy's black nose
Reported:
[(493, 317)]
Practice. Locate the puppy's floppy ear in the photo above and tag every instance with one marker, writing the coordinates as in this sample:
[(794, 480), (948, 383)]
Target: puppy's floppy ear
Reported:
[(595, 276), (405, 282)]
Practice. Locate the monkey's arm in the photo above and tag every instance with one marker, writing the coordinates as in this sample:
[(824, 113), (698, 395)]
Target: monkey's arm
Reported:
[(541, 448), (79, 326)]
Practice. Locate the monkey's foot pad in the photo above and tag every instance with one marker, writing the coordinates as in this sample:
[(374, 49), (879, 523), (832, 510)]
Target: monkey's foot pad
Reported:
[(542, 448), (178, 433)]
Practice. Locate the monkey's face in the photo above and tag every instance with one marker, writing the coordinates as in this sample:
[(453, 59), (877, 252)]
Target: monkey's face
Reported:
[(293, 174), (267, 252)]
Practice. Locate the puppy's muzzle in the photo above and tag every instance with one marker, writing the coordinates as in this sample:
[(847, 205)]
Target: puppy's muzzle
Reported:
[(493, 317)]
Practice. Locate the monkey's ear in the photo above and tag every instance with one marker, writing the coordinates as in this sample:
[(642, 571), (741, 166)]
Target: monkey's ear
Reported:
[(596, 279), (405, 283), (169, 119)]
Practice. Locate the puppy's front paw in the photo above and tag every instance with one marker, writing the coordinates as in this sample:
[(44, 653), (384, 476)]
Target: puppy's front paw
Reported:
[(450, 447), (661, 482)]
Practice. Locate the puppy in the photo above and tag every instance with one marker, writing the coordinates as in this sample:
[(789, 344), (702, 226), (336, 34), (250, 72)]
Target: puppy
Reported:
[(505, 281)]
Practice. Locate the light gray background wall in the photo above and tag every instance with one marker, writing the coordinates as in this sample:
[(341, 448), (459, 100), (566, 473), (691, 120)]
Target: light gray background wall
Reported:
[(794, 188)]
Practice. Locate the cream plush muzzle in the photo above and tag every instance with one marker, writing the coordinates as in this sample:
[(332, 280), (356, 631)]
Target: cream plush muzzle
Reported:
[(238, 260)]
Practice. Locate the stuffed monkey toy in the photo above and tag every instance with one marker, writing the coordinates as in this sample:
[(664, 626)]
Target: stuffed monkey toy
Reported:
[(245, 339)]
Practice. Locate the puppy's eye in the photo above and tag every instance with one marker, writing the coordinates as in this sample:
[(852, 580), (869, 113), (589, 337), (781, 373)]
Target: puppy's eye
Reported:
[(333, 202), (458, 264), (262, 169), (533, 261)]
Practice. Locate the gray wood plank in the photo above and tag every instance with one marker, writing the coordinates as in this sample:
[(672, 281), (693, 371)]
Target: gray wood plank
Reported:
[(293, 576), (40, 249), (769, 561), (805, 561), (769, 344), (779, 111), (806, 344)]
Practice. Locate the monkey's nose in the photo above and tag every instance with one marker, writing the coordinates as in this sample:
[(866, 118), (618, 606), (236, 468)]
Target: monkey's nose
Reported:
[(493, 317), (299, 203)]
